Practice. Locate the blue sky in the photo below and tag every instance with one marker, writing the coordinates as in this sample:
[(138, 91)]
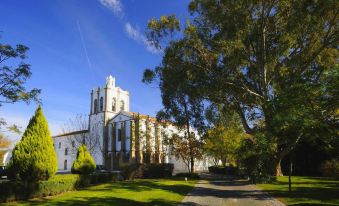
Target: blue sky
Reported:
[(75, 44)]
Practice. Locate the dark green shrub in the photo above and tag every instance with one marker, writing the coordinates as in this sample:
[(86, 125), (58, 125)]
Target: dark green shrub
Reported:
[(18, 190), (97, 178), (84, 163), (132, 171), (162, 170), (227, 170), (188, 175), (330, 168), (34, 158)]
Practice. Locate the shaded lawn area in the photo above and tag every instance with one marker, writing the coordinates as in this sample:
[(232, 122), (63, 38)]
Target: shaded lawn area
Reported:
[(139, 192), (305, 191)]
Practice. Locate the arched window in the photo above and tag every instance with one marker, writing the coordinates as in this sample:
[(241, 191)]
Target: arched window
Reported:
[(122, 105), (114, 104), (66, 151), (101, 103), (73, 144), (95, 106)]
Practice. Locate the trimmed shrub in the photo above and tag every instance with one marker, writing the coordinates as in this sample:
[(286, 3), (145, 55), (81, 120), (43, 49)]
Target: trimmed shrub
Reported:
[(227, 170), (18, 190), (34, 158), (188, 175), (330, 168), (162, 170), (84, 163)]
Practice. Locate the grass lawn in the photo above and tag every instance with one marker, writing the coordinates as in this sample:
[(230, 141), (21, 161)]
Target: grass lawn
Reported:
[(305, 191), (138, 192)]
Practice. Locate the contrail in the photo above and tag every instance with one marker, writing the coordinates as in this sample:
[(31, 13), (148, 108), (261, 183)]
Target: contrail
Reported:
[(84, 46)]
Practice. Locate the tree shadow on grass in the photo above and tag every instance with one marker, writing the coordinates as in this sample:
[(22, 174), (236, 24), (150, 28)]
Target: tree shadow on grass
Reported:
[(147, 185), (107, 200)]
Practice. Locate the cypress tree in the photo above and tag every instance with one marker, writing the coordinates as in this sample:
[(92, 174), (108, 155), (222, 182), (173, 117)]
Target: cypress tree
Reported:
[(34, 158), (84, 163)]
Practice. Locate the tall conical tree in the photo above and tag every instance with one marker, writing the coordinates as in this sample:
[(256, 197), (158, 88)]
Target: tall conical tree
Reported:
[(84, 163), (34, 158)]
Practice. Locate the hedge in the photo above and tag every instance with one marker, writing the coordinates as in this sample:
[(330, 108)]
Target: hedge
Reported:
[(188, 175), (17, 190), (228, 170), (162, 170)]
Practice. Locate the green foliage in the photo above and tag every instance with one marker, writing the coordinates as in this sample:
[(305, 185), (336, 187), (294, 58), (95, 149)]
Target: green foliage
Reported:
[(190, 176), (224, 138), (12, 80), (34, 158), (255, 158), (330, 168), (228, 170), (84, 163), (19, 190), (273, 62), (163, 170)]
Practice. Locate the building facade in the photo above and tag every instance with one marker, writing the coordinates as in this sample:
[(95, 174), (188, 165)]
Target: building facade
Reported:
[(117, 137)]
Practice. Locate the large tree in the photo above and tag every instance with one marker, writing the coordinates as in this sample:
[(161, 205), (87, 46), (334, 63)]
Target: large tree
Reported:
[(34, 158), (274, 62)]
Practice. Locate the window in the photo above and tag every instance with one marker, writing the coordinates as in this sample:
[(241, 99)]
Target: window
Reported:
[(101, 103), (65, 165), (73, 144), (122, 105), (119, 134), (95, 106), (114, 104), (59, 145), (66, 151)]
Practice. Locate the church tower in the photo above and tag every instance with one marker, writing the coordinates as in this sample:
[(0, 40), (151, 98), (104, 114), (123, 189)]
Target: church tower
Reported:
[(106, 102)]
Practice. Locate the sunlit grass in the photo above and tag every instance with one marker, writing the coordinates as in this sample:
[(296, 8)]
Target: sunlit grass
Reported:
[(305, 191), (138, 192)]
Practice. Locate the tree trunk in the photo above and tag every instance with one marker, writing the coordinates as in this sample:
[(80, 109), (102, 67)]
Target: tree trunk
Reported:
[(192, 164), (278, 171)]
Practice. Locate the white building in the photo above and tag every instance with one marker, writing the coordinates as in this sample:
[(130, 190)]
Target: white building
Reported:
[(118, 137)]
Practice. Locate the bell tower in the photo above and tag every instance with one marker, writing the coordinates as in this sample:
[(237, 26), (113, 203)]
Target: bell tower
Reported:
[(106, 102)]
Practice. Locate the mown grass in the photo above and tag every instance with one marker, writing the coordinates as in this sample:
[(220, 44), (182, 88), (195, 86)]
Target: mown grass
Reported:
[(145, 192), (305, 191)]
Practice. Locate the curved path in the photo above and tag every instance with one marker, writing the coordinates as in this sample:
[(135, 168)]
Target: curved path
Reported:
[(217, 190)]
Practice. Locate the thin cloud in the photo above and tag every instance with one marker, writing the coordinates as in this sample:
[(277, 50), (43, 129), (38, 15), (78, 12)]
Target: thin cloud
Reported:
[(84, 47), (134, 34), (114, 5)]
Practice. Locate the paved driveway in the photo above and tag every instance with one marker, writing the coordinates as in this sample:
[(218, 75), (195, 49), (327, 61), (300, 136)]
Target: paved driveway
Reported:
[(218, 190)]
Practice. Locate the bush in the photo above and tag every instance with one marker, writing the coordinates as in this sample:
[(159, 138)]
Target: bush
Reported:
[(34, 158), (84, 163), (188, 175), (227, 170), (330, 168), (17, 190), (162, 170)]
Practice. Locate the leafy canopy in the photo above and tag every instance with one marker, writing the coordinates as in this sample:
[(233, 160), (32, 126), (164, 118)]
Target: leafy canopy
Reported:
[(273, 62)]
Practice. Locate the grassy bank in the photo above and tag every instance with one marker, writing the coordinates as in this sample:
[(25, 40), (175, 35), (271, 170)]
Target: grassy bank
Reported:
[(138, 192), (305, 191)]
